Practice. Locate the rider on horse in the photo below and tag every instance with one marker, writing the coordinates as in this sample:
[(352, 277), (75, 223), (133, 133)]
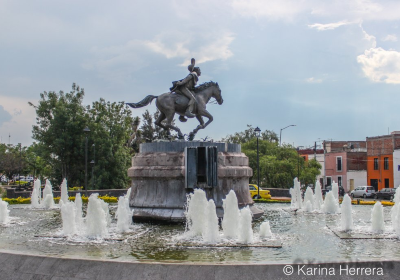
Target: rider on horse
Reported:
[(186, 87)]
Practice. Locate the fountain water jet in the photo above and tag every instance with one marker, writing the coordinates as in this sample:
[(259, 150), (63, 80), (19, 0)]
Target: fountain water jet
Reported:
[(295, 192), (4, 212), (245, 230), (123, 214), (231, 215), (64, 191), (96, 218), (265, 230), (196, 203), (78, 209), (308, 204), (331, 204), (347, 218), (318, 199), (48, 198), (377, 218), (211, 228), (68, 213)]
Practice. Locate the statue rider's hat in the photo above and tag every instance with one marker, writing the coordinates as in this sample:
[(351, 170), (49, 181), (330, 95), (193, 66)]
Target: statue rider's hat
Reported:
[(191, 66)]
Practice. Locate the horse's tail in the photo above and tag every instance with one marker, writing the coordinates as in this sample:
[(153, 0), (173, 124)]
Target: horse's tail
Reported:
[(146, 101)]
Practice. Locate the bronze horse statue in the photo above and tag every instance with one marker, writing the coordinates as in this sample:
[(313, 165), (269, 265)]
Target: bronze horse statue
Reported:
[(170, 104)]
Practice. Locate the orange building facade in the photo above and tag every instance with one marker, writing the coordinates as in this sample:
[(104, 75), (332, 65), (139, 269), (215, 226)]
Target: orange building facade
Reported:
[(380, 169)]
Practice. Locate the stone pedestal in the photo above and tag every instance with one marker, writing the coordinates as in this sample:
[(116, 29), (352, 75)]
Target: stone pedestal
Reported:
[(158, 180)]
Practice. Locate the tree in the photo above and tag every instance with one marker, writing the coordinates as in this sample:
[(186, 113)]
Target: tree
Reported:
[(310, 172), (12, 160), (61, 118), (60, 149), (279, 165), (110, 125)]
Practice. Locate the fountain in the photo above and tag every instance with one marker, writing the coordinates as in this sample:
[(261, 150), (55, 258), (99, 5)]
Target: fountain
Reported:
[(68, 214), (123, 214), (295, 193), (318, 199), (331, 204), (96, 217), (346, 215), (377, 218), (231, 216), (265, 230), (245, 230), (308, 203), (64, 191), (4, 212), (211, 229)]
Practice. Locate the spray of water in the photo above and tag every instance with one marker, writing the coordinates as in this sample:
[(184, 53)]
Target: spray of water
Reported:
[(308, 205), (331, 205), (296, 195), (245, 230), (96, 218), (377, 218), (346, 215), (4, 212), (231, 216), (64, 191), (211, 229), (265, 230), (318, 200), (68, 213), (123, 215)]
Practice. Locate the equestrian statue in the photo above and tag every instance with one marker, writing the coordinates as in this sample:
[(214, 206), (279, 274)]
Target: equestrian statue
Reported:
[(186, 100)]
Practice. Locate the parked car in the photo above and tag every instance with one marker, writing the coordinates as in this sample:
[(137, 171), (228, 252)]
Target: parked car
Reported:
[(363, 191), (254, 192), (329, 188), (387, 193)]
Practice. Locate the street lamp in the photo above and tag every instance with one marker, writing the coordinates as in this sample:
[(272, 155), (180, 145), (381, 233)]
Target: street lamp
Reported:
[(280, 135), (298, 162), (257, 130), (92, 163), (86, 130)]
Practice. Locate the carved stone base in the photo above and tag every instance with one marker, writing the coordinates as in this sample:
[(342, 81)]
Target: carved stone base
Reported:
[(158, 180)]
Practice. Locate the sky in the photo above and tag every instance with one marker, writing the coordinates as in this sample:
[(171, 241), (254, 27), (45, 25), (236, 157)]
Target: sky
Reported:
[(332, 68)]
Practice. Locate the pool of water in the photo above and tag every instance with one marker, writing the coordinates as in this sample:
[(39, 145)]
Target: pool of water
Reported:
[(304, 238)]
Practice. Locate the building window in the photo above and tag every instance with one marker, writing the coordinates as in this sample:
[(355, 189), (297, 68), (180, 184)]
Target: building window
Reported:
[(376, 166), (339, 181), (328, 181), (386, 163), (338, 163)]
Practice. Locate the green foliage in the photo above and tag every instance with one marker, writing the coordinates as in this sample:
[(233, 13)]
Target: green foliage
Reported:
[(12, 160), (110, 125), (279, 165), (60, 149), (61, 119)]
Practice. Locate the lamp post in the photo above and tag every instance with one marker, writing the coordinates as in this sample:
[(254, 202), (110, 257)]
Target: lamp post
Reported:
[(298, 162), (94, 161), (280, 134), (86, 130), (20, 164), (257, 130)]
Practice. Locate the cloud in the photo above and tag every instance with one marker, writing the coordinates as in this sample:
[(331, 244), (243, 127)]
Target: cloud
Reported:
[(313, 80), (271, 9), (4, 115), (390, 37), (380, 65), (329, 26), (20, 117)]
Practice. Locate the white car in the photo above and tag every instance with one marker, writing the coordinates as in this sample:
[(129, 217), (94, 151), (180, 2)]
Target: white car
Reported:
[(363, 191)]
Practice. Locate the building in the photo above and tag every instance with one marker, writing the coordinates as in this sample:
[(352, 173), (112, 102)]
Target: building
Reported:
[(383, 161), (345, 163)]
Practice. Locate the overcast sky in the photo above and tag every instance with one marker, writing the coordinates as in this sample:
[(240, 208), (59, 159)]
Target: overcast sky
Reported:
[(332, 68)]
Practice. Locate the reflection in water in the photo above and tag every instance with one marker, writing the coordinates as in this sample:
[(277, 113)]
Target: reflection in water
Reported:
[(304, 237)]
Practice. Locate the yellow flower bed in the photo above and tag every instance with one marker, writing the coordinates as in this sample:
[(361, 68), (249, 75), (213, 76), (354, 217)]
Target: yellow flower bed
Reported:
[(85, 199), (272, 200), (371, 202)]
